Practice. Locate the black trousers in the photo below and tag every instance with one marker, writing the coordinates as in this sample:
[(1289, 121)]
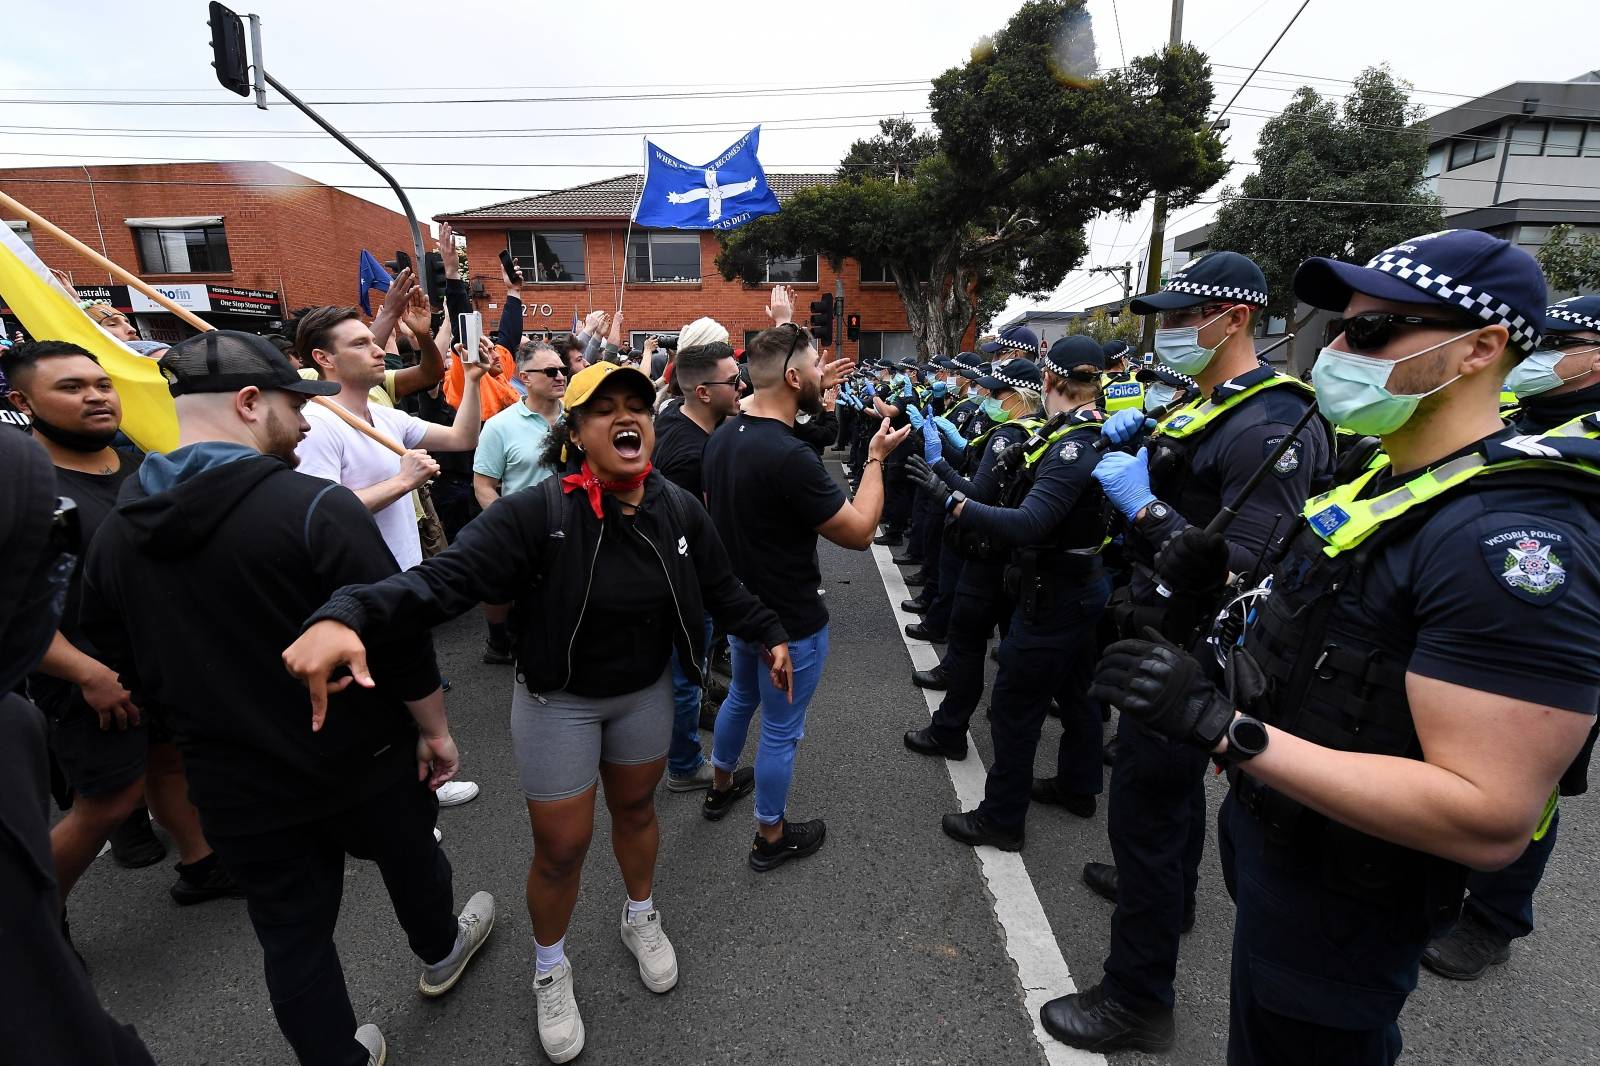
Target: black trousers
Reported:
[(293, 880), (847, 426), (980, 605), (941, 601), (1157, 827), (1052, 656), (897, 496)]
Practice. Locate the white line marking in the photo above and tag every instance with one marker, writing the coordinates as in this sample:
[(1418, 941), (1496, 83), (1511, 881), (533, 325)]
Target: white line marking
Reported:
[(1041, 969)]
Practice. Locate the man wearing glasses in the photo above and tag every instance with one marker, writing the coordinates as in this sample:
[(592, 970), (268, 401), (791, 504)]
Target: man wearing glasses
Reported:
[(1197, 461), (511, 456)]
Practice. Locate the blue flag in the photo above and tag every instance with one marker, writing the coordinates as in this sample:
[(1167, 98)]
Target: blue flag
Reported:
[(373, 276), (722, 194)]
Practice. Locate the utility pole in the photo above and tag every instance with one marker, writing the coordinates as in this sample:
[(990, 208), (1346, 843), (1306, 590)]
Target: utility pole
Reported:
[(1158, 219), (1126, 272)]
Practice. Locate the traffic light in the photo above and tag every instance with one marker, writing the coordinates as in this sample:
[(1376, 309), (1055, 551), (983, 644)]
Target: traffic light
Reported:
[(852, 326), (822, 319), (228, 53), (433, 278)]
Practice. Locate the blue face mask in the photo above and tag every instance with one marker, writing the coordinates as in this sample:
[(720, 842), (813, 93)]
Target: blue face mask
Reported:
[(1537, 373), (1179, 348), (1352, 390), (994, 410), (1158, 396)]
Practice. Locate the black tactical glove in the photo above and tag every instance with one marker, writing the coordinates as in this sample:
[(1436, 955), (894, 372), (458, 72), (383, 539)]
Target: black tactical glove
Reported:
[(1164, 689), (1195, 564), (923, 478)]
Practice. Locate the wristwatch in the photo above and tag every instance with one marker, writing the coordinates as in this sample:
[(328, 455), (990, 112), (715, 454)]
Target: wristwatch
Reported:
[(955, 499), (1247, 738)]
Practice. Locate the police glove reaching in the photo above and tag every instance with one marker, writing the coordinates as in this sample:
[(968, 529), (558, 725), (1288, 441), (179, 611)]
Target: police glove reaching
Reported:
[(1126, 425), (1164, 689), (1194, 563), (951, 435), (932, 448), (1126, 480), (922, 478), (914, 415)]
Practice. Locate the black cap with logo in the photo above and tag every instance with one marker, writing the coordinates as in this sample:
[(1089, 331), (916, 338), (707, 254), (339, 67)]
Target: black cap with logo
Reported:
[(225, 360)]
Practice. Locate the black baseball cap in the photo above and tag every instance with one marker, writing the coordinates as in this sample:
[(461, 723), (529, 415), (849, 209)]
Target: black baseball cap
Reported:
[(1069, 353), (225, 360)]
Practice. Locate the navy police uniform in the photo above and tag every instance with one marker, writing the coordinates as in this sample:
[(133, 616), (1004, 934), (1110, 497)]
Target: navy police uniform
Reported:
[(971, 423)]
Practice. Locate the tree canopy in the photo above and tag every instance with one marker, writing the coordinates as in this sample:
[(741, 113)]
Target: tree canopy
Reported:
[(1571, 261), (1028, 145), (1362, 152)]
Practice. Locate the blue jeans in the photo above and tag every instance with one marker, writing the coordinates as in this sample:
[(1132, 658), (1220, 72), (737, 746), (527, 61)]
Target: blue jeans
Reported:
[(782, 723), (684, 756)]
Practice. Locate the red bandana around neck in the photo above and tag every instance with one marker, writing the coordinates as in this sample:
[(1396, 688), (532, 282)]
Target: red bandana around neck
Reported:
[(584, 479)]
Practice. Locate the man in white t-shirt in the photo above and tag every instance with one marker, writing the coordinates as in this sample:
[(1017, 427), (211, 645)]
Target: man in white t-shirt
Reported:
[(341, 346)]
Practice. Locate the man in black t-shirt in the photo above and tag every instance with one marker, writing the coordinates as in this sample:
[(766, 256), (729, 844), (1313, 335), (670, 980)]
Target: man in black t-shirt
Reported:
[(770, 496), (98, 735)]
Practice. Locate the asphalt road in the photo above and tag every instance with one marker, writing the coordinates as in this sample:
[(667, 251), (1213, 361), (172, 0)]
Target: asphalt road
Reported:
[(883, 948)]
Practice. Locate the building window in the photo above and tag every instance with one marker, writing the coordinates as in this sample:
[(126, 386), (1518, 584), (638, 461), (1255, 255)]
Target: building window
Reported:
[(191, 250), (875, 272), (547, 257), (1535, 235), (1591, 140), (1473, 147), (792, 270), (1527, 138), (879, 345), (664, 257), (1564, 139)]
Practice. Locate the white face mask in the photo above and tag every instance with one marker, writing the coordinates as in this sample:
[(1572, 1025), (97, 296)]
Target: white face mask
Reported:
[(1179, 348), (1352, 390)]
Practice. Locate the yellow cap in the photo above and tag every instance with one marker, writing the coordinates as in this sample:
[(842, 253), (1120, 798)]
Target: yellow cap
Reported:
[(586, 381)]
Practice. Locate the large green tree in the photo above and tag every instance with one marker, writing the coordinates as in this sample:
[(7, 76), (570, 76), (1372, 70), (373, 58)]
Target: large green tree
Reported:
[(1027, 148), (1571, 261), (1362, 149)]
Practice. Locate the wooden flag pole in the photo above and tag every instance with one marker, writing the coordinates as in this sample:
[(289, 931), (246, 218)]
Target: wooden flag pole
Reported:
[(133, 281)]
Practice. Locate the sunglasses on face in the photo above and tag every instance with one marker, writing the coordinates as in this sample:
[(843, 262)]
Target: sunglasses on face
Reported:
[(1560, 342), (733, 382), (1372, 330), (1173, 319), (551, 372)]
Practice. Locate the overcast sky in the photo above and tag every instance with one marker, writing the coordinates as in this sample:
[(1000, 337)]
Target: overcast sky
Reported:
[(787, 65)]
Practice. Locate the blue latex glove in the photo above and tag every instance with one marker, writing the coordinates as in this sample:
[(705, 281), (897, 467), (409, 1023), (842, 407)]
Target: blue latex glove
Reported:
[(1126, 425), (871, 389), (915, 416), (952, 436), (1126, 479), (932, 450)]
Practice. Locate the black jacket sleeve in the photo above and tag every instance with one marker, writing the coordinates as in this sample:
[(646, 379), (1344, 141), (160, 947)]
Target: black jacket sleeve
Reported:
[(492, 560), (100, 616), (820, 432), (509, 335), (734, 607), (985, 484), (1056, 490)]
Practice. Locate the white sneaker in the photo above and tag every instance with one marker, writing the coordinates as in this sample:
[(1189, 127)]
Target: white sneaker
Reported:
[(455, 793), (560, 1024), (438, 835), (658, 963), (369, 1037), (474, 924)]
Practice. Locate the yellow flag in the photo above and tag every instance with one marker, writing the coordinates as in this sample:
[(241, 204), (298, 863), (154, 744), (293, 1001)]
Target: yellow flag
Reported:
[(49, 313)]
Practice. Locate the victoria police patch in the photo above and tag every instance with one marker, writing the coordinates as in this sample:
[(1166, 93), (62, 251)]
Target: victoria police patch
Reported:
[(1069, 452), (999, 445), (1286, 464), (1529, 563)]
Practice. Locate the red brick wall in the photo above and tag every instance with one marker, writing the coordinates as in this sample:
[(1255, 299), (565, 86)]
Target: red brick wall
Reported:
[(301, 242), (665, 307)]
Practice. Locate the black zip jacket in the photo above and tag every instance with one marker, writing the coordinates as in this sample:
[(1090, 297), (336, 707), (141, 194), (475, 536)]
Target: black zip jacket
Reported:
[(538, 548)]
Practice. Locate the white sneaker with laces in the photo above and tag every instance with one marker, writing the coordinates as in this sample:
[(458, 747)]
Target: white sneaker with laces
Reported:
[(474, 924), (371, 1038), (455, 793), (702, 778), (658, 962), (560, 1024)]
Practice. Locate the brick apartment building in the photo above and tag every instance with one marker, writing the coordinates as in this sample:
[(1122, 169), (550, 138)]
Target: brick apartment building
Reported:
[(577, 244), (238, 243)]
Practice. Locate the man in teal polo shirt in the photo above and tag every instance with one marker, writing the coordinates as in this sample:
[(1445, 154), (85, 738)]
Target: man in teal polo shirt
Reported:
[(511, 456)]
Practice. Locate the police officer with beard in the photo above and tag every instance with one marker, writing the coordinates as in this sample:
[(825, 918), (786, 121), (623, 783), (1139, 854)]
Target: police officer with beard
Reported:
[(1197, 462), (1422, 672), (1558, 384)]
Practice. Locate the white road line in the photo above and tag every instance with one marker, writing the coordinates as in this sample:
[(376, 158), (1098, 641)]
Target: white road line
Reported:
[(1029, 940)]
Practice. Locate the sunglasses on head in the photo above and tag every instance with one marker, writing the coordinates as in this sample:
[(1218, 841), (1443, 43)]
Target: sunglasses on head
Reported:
[(1371, 330), (551, 372), (796, 333)]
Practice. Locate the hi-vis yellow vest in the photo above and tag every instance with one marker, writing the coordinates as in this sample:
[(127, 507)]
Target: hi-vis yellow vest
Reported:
[(1194, 417)]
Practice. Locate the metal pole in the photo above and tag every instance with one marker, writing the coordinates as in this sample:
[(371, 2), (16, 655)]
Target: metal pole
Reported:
[(405, 202), (256, 69), (1158, 219)]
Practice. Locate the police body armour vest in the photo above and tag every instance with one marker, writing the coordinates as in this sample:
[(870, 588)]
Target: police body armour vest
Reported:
[(1086, 528), (1329, 681), (1122, 392)]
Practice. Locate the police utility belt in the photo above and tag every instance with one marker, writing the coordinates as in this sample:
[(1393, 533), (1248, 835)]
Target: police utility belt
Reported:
[(1333, 684)]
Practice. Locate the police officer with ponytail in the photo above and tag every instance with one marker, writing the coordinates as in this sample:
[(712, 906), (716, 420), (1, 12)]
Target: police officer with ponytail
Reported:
[(1421, 674), (1197, 461)]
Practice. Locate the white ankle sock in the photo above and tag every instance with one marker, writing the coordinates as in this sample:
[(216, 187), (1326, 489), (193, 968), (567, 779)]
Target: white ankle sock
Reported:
[(546, 959), (636, 907)]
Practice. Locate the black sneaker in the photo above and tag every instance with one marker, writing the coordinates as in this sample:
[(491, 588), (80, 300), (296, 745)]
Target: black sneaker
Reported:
[(1466, 952), (799, 840), (498, 655), (718, 803), (201, 881), (134, 844)]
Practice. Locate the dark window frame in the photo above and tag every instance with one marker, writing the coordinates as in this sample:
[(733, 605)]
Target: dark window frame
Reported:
[(665, 237), (804, 260), (533, 237), (214, 241)]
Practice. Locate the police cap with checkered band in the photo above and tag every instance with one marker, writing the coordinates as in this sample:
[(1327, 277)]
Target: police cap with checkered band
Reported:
[(1017, 374), (1018, 340), (1483, 278), (1220, 277), (1577, 315)]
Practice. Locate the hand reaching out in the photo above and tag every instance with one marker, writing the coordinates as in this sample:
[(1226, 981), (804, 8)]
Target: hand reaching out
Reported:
[(780, 305)]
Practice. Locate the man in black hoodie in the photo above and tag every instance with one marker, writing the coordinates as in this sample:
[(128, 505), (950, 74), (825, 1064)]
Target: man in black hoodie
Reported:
[(216, 554)]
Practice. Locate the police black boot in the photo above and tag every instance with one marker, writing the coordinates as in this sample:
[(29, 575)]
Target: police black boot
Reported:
[(919, 605), (1102, 878), (1468, 950), (1094, 1022), (906, 560), (1108, 754), (925, 741), (891, 539), (934, 679), (971, 827), (1048, 790), (916, 581), (920, 631)]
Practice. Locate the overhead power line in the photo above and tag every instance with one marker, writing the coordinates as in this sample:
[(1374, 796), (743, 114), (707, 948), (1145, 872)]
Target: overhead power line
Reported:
[(1281, 34)]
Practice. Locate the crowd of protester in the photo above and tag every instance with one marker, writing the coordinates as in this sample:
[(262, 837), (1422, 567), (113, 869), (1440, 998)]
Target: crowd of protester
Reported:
[(618, 516)]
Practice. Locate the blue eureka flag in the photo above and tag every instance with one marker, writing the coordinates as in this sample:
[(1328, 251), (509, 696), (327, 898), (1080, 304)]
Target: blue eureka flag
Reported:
[(722, 194), (373, 276)]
